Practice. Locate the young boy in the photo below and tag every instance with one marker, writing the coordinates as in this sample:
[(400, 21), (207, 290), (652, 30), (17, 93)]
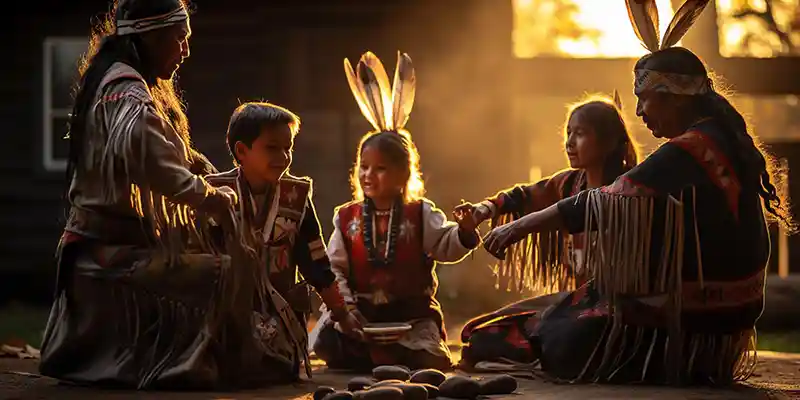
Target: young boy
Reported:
[(276, 212)]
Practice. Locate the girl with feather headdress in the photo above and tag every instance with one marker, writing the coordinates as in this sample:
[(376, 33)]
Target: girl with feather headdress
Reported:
[(599, 149), (387, 241), (678, 246)]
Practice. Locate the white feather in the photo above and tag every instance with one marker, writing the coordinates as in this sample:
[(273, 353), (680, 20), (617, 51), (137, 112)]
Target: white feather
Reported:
[(358, 92), (404, 90), (372, 75), (643, 15)]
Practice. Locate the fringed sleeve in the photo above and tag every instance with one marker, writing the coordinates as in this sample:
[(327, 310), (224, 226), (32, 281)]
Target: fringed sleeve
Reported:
[(146, 148), (440, 237), (143, 152), (537, 262), (525, 199), (340, 261), (163, 165), (628, 220)]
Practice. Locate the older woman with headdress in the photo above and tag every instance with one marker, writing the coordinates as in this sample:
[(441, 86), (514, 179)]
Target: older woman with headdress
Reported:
[(135, 307), (677, 247)]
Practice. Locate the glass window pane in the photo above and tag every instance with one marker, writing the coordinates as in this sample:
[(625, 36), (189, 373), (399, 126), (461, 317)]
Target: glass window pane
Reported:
[(60, 148), (578, 28), (758, 28), (64, 70)]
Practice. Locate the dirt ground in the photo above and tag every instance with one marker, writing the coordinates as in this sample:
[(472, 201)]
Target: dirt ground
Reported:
[(777, 377)]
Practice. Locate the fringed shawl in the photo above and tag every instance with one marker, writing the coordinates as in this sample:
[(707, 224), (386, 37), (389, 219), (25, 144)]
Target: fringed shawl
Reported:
[(126, 130), (536, 264), (539, 263), (622, 219)]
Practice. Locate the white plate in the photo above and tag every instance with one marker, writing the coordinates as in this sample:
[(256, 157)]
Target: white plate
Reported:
[(387, 328)]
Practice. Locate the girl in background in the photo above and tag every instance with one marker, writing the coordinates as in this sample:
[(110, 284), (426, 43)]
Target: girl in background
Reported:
[(599, 149)]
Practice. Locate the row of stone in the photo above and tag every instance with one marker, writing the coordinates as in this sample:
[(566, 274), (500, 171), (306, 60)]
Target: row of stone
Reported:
[(390, 382)]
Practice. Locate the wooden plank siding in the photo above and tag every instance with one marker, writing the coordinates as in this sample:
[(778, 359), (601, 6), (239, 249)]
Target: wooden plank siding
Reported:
[(290, 53)]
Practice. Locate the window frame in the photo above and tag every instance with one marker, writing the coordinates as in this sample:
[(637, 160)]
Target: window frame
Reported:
[(48, 161)]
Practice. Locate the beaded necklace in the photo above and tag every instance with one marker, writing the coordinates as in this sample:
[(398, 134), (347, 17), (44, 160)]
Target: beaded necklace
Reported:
[(395, 215)]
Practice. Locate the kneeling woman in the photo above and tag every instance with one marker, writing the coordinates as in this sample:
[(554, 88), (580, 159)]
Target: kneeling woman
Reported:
[(599, 149), (143, 299)]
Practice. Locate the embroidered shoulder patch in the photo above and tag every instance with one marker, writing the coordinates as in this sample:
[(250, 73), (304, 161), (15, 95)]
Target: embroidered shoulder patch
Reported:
[(626, 186), (294, 195), (716, 164)]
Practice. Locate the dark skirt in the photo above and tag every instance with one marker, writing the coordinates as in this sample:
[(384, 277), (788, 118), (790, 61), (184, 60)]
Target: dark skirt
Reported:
[(122, 318), (578, 339)]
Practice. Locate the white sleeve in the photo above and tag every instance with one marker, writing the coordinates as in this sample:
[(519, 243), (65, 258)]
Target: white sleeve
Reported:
[(440, 237), (340, 261)]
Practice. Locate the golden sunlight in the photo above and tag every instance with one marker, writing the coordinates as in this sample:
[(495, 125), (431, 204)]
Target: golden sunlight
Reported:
[(578, 28), (758, 28)]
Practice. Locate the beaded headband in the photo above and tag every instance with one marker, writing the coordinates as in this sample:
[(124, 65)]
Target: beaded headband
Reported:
[(130, 26)]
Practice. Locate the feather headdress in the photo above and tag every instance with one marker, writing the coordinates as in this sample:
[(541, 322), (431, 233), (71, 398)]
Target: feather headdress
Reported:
[(385, 106), (643, 15), (644, 18)]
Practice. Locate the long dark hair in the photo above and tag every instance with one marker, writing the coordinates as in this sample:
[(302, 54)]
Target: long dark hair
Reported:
[(106, 48), (609, 126), (761, 167)]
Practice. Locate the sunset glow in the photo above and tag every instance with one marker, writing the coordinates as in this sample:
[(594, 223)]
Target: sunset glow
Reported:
[(750, 35), (578, 28)]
